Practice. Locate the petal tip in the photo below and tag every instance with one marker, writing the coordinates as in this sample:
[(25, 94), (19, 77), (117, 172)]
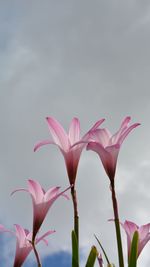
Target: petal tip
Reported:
[(35, 148)]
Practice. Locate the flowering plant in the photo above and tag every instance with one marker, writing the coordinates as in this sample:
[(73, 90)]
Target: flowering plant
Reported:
[(107, 146)]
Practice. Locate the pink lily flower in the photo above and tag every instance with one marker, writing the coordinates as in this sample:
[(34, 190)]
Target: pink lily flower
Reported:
[(100, 260), (23, 243), (42, 201), (143, 231), (66, 143), (108, 146)]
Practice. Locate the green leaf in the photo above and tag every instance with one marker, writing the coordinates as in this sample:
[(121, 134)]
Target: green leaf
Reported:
[(108, 262), (75, 250), (134, 250), (92, 257)]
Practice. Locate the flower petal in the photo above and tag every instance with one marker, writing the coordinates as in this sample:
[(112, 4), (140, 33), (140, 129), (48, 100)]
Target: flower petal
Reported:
[(43, 237), (144, 230), (123, 127), (96, 125), (74, 131), (113, 150), (123, 131), (130, 228), (51, 193), (20, 234), (97, 135), (101, 136), (3, 229), (126, 132), (28, 235), (106, 158), (36, 191), (143, 243), (18, 190), (43, 143), (58, 133), (125, 123), (93, 128), (100, 260), (80, 144)]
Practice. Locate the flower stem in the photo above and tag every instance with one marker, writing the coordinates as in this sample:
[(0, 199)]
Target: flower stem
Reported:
[(36, 255), (117, 225), (76, 217)]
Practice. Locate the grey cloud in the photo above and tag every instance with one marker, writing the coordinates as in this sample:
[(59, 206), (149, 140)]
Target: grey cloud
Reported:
[(74, 58)]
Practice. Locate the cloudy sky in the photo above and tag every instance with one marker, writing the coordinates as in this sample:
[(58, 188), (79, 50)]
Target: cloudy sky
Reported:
[(73, 58)]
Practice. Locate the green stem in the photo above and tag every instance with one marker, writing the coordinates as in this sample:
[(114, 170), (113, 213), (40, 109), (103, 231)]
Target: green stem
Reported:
[(117, 225), (76, 217), (76, 222)]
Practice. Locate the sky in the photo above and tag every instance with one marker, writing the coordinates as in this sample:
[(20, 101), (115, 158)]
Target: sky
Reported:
[(73, 58)]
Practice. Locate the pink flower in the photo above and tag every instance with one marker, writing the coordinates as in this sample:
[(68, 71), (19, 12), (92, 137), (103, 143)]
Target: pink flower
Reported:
[(143, 231), (100, 260), (42, 201), (66, 143), (23, 243), (108, 146)]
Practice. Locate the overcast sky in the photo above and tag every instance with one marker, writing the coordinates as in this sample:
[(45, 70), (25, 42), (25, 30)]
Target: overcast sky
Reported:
[(66, 58)]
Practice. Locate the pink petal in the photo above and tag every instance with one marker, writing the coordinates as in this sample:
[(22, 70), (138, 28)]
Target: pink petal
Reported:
[(130, 228), (42, 143), (65, 196), (55, 195), (45, 241), (143, 242), (101, 136), (43, 237), (105, 156), (100, 260), (144, 230), (123, 131), (97, 147), (80, 144), (36, 191), (74, 131), (3, 229), (51, 193), (72, 160), (124, 135), (93, 128), (123, 127), (28, 235), (98, 135), (125, 122), (58, 133), (20, 234), (97, 124), (18, 190), (66, 189), (113, 150)]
